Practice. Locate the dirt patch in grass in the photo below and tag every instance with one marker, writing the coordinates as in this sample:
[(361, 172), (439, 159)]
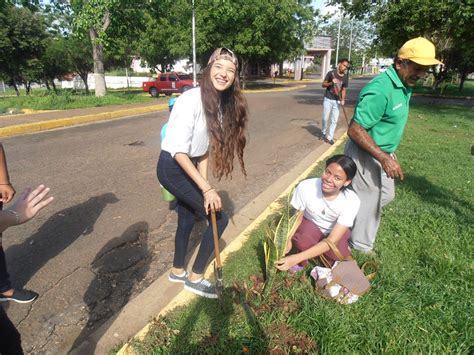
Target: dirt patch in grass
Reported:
[(281, 337), (286, 340)]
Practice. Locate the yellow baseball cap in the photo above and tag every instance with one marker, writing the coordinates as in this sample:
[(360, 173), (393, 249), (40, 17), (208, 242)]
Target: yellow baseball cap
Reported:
[(419, 50)]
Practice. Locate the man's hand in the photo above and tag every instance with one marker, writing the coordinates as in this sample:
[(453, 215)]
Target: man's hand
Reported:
[(392, 168), (342, 102), (6, 193)]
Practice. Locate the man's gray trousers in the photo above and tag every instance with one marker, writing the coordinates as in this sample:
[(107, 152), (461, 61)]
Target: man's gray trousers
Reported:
[(375, 190)]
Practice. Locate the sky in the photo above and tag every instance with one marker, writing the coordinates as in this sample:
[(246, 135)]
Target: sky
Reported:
[(321, 4)]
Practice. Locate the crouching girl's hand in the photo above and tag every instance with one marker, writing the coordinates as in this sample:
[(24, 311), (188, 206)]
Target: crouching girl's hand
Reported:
[(289, 245), (287, 262)]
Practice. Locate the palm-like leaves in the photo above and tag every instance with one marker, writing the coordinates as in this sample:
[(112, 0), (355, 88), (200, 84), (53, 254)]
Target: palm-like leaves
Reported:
[(274, 245)]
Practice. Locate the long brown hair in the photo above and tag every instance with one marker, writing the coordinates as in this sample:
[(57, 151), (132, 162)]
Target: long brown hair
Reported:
[(228, 137)]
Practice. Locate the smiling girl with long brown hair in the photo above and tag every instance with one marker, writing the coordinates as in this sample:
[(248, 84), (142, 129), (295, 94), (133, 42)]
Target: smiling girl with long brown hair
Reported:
[(206, 122)]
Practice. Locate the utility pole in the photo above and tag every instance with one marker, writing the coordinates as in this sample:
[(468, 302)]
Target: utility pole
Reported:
[(338, 36), (350, 40), (194, 48)]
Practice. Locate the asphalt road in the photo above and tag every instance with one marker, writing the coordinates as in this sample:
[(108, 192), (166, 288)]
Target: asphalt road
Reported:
[(108, 234)]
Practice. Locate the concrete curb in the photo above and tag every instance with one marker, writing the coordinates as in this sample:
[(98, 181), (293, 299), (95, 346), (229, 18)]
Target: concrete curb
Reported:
[(274, 90), (75, 120), (102, 116), (184, 297)]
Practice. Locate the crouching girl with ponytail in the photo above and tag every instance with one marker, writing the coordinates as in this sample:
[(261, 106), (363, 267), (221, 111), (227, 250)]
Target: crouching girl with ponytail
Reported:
[(329, 208)]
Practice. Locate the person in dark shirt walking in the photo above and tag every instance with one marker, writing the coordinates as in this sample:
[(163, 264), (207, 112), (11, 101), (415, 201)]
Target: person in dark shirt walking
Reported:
[(336, 82)]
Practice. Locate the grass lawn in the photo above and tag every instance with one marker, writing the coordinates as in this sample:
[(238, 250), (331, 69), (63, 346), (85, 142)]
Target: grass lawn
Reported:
[(421, 299), (65, 99), (448, 89)]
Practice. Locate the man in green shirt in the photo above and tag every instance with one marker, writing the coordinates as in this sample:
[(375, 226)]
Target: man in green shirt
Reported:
[(375, 132)]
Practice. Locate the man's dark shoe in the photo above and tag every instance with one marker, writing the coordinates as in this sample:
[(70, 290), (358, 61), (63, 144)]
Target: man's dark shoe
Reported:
[(20, 296), (329, 141)]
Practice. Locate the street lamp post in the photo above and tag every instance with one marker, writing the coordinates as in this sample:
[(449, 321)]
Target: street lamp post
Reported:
[(350, 41), (194, 48)]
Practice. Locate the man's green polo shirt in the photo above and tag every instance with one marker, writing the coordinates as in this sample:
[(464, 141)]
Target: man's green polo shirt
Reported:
[(382, 109)]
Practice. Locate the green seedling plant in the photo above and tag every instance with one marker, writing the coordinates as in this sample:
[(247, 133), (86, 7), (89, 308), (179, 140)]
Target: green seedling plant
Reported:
[(274, 245)]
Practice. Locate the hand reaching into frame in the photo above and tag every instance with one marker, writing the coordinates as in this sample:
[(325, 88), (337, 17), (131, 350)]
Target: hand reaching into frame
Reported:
[(30, 203)]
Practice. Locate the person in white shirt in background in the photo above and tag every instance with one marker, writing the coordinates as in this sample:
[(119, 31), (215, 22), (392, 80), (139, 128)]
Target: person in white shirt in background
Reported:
[(330, 207), (208, 123)]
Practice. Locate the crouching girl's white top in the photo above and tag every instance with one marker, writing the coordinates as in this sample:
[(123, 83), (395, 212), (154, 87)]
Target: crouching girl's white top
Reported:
[(308, 197)]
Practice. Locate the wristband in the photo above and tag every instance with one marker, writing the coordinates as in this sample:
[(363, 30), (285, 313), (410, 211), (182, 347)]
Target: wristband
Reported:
[(15, 213), (205, 192)]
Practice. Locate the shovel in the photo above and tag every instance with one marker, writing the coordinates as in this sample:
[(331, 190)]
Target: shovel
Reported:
[(217, 262), (345, 114), (343, 109)]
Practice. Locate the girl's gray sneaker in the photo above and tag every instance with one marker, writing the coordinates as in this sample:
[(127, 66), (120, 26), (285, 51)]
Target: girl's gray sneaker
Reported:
[(202, 288), (175, 278)]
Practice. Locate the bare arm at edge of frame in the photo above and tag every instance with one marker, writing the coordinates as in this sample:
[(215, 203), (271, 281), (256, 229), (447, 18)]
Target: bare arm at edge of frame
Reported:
[(6, 189), (360, 137)]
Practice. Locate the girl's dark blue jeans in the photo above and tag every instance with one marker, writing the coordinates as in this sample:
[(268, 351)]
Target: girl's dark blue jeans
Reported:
[(4, 278), (190, 205)]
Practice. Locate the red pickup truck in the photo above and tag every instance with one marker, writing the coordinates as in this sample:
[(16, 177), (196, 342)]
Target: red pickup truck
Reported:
[(168, 83)]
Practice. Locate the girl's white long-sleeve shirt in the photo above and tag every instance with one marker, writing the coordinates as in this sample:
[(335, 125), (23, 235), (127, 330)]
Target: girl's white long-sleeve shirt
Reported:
[(187, 126)]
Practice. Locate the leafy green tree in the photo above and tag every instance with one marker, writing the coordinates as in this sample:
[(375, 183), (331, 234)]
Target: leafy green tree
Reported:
[(158, 42), (22, 35), (447, 23), (105, 20), (273, 30), (56, 61), (79, 51)]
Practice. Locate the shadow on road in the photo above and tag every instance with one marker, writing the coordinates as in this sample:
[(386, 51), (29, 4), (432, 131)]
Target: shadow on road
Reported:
[(313, 129), (55, 235), (118, 267)]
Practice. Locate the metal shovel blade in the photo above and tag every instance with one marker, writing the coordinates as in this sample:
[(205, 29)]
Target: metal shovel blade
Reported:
[(219, 281)]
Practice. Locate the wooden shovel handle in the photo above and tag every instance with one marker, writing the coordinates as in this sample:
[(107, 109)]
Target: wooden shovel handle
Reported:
[(215, 235)]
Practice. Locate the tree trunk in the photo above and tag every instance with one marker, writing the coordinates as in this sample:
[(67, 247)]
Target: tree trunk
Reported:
[(28, 87), (99, 73), (440, 78), (84, 79), (54, 86), (244, 73), (126, 75), (47, 84), (280, 70), (463, 78), (13, 83)]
